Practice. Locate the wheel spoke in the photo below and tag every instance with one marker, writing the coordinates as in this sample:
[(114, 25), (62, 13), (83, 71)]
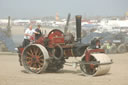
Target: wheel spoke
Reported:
[(29, 53), (33, 58), (39, 53), (40, 65), (42, 60), (30, 63), (28, 57), (41, 56), (35, 66), (36, 52)]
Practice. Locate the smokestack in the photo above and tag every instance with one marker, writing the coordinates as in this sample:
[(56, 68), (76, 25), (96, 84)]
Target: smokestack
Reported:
[(9, 26), (78, 27), (67, 23), (9, 23)]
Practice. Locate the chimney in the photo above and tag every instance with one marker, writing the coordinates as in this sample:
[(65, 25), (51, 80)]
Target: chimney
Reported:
[(78, 27), (9, 24)]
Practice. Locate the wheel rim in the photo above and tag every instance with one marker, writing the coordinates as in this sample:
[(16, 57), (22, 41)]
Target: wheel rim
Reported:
[(102, 66), (88, 69), (57, 52), (33, 59), (122, 48)]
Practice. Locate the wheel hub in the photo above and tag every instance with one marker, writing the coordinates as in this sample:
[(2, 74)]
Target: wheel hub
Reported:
[(34, 59)]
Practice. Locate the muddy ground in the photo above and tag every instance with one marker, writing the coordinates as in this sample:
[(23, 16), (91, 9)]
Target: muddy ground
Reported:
[(11, 73)]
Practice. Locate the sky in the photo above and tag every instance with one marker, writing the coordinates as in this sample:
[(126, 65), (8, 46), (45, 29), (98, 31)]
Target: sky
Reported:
[(41, 8)]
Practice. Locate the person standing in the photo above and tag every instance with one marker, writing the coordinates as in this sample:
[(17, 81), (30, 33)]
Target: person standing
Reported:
[(38, 33), (27, 35)]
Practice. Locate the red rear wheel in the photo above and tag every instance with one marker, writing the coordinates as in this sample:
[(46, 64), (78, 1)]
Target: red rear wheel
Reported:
[(33, 58)]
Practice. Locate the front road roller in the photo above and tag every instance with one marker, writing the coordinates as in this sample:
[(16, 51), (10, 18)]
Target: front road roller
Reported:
[(95, 64), (34, 58)]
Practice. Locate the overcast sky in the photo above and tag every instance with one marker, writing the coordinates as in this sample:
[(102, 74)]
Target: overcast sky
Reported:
[(40, 8)]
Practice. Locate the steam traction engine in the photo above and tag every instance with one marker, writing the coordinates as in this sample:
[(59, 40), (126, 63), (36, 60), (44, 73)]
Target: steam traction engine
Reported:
[(49, 53)]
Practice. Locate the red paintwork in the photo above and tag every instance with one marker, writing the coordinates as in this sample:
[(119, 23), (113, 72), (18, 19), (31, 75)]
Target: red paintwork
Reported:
[(55, 37), (40, 41), (21, 50), (89, 51)]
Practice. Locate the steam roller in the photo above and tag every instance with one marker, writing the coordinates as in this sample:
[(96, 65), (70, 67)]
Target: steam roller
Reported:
[(99, 64), (49, 53)]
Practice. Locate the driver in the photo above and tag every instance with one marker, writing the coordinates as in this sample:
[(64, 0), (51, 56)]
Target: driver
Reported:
[(38, 33)]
